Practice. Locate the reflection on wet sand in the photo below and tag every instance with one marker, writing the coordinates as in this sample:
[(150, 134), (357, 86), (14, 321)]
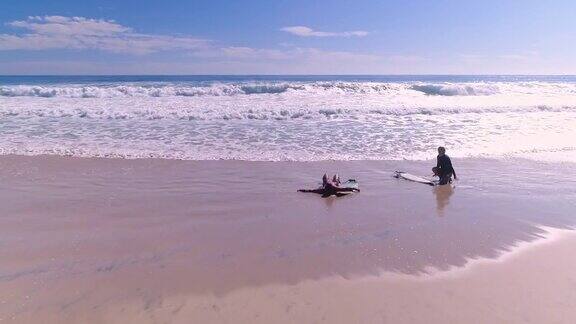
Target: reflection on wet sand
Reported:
[(107, 230), (443, 194)]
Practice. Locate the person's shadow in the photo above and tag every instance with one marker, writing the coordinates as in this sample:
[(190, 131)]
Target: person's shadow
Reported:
[(443, 194)]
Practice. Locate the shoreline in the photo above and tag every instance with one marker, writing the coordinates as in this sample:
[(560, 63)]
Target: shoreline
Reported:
[(515, 290)]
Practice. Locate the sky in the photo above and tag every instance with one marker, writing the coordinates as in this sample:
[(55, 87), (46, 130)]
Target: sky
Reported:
[(287, 37)]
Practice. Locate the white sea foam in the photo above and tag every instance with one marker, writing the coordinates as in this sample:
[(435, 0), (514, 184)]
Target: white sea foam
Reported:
[(310, 88), (457, 89), (282, 100), (290, 120)]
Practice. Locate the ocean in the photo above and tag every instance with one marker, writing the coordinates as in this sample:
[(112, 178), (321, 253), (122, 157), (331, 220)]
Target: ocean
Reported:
[(289, 118)]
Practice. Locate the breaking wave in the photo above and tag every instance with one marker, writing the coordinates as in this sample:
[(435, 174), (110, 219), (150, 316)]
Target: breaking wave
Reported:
[(111, 91), (309, 88), (457, 89), (281, 100)]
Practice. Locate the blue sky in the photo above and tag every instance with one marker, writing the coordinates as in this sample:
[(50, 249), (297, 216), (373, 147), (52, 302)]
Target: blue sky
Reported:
[(287, 37)]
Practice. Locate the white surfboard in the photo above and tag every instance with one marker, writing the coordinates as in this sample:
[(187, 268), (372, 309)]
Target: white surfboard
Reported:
[(351, 183), (415, 178)]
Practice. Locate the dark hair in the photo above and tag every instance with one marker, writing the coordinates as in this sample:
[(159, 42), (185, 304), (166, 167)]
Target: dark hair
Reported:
[(441, 148)]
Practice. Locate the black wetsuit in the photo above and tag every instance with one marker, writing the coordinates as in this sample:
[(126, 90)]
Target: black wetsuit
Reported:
[(328, 189), (445, 169)]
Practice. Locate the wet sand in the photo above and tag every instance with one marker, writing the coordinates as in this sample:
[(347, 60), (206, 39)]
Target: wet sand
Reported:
[(533, 285), (154, 241)]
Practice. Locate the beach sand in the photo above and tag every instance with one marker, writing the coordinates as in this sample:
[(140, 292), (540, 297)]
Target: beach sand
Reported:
[(164, 241)]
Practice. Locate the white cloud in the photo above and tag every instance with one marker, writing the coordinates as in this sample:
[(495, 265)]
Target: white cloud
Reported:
[(58, 25), (304, 31), (406, 59), (523, 56), (471, 57), (288, 60), (58, 32), (199, 56), (255, 53), (289, 54)]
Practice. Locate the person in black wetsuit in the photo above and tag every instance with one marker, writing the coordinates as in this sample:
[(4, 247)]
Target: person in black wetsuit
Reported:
[(443, 168), (330, 187)]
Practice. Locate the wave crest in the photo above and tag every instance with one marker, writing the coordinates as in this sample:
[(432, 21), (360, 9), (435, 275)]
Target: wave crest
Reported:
[(273, 88), (457, 89), (172, 90)]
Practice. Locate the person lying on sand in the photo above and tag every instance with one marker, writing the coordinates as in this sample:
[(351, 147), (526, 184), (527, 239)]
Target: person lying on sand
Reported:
[(443, 168), (330, 187)]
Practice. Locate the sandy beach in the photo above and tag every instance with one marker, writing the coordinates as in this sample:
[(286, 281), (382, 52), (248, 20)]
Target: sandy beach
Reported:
[(166, 241)]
